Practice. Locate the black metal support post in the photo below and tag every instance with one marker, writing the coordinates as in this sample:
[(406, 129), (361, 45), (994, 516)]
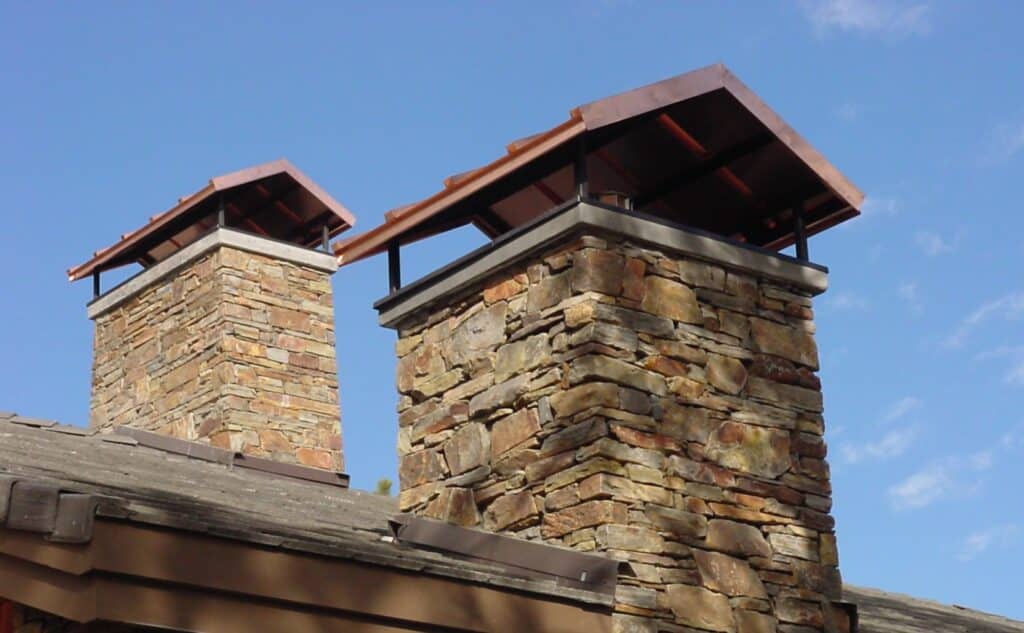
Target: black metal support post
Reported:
[(221, 219), (326, 239), (579, 171), (800, 232), (95, 284), (394, 267)]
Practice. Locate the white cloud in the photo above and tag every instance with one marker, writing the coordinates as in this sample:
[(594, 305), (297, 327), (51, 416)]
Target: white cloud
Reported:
[(875, 206), (1015, 373), (894, 18), (932, 244), (1005, 141), (900, 408), (981, 541), (892, 444), (910, 293), (921, 488), (849, 112), (847, 300), (1009, 307)]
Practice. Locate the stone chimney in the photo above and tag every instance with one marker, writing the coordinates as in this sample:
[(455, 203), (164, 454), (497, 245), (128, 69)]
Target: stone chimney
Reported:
[(227, 335), (634, 374)]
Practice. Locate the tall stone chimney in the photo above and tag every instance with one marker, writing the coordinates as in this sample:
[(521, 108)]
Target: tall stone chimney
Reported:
[(227, 334), (635, 378)]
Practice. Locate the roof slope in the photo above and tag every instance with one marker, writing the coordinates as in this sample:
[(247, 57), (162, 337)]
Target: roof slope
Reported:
[(167, 489), (155, 487)]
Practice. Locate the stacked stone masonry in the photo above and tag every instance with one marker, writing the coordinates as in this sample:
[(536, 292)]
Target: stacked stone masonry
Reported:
[(662, 410), (235, 349)]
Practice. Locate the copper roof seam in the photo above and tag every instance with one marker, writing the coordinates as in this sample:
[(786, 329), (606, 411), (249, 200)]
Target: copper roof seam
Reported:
[(218, 183)]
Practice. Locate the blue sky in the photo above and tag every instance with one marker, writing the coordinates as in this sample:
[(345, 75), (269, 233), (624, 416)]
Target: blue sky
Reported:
[(113, 110)]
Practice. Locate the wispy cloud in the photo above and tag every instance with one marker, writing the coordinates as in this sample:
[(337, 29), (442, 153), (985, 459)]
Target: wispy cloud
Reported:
[(847, 301), (955, 476), (1009, 307), (879, 206), (1005, 141), (901, 408), (977, 543), (910, 293), (893, 18), (849, 112), (1015, 372), (893, 444), (932, 244)]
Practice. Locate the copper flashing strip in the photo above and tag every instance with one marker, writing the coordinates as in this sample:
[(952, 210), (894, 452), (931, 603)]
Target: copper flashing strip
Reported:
[(104, 257), (567, 567), (205, 452)]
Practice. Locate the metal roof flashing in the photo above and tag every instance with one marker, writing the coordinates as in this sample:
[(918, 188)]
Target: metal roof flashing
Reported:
[(214, 239), (575, 218)]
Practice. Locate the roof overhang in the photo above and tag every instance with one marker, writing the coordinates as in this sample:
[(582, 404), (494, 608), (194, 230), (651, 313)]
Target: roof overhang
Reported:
[(167, 579), (700, 148), (273, 199)]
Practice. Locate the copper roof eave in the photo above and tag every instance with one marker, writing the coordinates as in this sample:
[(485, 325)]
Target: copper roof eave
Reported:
[(375, 240), (216, 184), (593, 116), (611, 110)]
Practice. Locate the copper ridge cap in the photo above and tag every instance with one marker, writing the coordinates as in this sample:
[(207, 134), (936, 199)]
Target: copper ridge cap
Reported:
[(214, 185), (589, 117)]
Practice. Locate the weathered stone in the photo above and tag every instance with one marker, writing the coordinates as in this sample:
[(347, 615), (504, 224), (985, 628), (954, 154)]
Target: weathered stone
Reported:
[(788, 342), (754, 622), (633, 539), (501, 395), (468, 448), (750, 449), (593, 394), (824, 579), (548, 292), (597, 270), (510, 510), (736, 538), (618, 451), (513, 430), (436, 384), (596, 367), (828, 552), (670, 299), (584, 515), (726, 374), (678, 523), (785, 395), (542, 468), (684, 423), (728, 575), (454, 505), (504, 289), (800, 612), (632, 624), (581, 471), (795, 546), (698, 607), (701, 274), (521, 356), (645, 440), (483, 330), (603, 485), (633, 319), (573, 437), (606, 334), (420, 467), (665, 365)]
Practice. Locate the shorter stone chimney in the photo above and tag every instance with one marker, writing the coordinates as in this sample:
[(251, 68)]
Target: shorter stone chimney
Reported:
[(227, 335)]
